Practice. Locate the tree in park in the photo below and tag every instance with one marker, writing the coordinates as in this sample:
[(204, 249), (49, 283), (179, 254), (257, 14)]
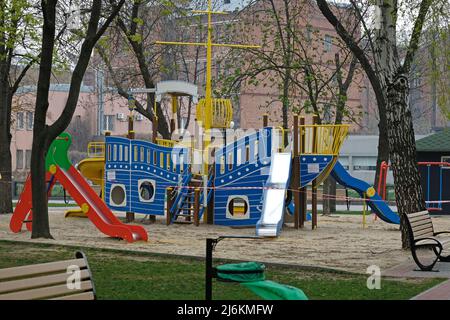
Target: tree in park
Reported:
[(138, 25), (292, 66), (18, 53), (387, 69), (100, 17), (133, 39)]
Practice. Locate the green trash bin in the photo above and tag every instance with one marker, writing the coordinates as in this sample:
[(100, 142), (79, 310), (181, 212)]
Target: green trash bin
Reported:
[(241, 272)]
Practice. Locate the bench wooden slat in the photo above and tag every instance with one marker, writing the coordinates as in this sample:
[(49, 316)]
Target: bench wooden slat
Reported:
[(78, 296), (417, 214), (46, 292), (36, 282), (418, 219), (42, 268), (422, 226), (424, 233), (427, 230)]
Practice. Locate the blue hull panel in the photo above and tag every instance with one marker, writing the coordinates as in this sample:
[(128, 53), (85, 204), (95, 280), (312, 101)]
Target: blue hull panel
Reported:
[(311, 166), (144, 170)]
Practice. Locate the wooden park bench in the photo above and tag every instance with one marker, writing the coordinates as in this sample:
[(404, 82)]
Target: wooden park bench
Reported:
[(52, 281), (422, 236)]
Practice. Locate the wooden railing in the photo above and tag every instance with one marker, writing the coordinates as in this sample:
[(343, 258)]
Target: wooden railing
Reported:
[(96, 149), (221, 113), (322, 139)]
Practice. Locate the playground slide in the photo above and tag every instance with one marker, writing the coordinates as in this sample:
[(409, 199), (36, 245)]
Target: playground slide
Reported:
[(92, 169), (271, 221), (87, 199), (376, 203), (60, 168), (97, 211)]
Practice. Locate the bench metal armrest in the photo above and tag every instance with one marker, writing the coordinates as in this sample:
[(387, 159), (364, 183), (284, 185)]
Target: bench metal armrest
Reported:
[(416, 243), (441, 232)]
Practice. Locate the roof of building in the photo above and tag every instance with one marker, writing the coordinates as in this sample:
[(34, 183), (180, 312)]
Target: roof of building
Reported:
[(438, 142)]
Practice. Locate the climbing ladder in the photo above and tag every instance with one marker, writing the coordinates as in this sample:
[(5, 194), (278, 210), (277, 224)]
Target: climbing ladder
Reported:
[(189, 200)]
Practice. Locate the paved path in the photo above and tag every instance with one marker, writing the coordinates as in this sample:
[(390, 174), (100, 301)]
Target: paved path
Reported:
[(439, 292), (410, 270)]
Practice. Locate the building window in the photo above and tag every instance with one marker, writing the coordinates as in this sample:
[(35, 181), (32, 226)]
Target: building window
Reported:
[(327, 43), (364, 168), (226, 1), (345, 162), (309, 33), (20, 121), (30, 120), (327, 114), (28, 159), (368, 163), (108, 122), (19, 159)]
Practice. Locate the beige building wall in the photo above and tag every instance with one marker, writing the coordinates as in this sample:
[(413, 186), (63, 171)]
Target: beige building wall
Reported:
[(83, 126)]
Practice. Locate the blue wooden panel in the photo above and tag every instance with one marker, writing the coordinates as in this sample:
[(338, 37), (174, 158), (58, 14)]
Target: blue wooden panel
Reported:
[(311, 166), (242, 168), (157, 166), (117, 169)]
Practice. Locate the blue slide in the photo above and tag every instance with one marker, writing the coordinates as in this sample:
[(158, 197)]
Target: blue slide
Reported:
[(378, 205)]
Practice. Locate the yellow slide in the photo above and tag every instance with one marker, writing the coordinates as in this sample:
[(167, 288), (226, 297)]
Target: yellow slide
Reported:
[(92, 169)]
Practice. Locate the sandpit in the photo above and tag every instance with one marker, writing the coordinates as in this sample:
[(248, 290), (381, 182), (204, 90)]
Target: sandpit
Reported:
[(339, 242)]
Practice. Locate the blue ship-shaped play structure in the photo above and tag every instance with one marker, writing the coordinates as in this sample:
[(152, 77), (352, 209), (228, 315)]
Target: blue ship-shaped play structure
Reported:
[(137, 174)]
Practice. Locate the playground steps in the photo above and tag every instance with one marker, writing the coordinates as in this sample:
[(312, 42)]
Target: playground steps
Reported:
[(185, 206)]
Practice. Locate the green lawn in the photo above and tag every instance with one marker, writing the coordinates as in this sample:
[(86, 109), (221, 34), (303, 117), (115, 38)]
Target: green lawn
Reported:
[(125, 275), (56, 205)]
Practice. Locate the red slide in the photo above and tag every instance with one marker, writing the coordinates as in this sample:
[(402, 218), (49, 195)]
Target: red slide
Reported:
[(97, 211)]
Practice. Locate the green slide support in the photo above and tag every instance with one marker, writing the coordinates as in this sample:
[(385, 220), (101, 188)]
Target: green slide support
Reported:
[(58, 152)]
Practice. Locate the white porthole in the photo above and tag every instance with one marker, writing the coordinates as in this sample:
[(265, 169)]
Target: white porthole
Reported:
[(147, 190), (118, 195)]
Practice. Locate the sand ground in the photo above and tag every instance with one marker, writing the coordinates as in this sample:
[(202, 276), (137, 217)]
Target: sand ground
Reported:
[(340, 241)]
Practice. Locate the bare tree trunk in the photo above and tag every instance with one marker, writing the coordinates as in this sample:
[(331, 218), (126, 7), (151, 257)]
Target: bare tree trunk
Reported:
[(5, 143), (408, 189), (329, 196), (41, 228), (43, 135)]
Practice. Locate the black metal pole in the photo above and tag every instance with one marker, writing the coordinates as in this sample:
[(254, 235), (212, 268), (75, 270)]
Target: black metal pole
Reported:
[(209, 269)]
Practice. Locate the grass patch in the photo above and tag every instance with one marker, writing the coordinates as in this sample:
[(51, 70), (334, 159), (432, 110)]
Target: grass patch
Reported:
[(56, 205), (133, 275)]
